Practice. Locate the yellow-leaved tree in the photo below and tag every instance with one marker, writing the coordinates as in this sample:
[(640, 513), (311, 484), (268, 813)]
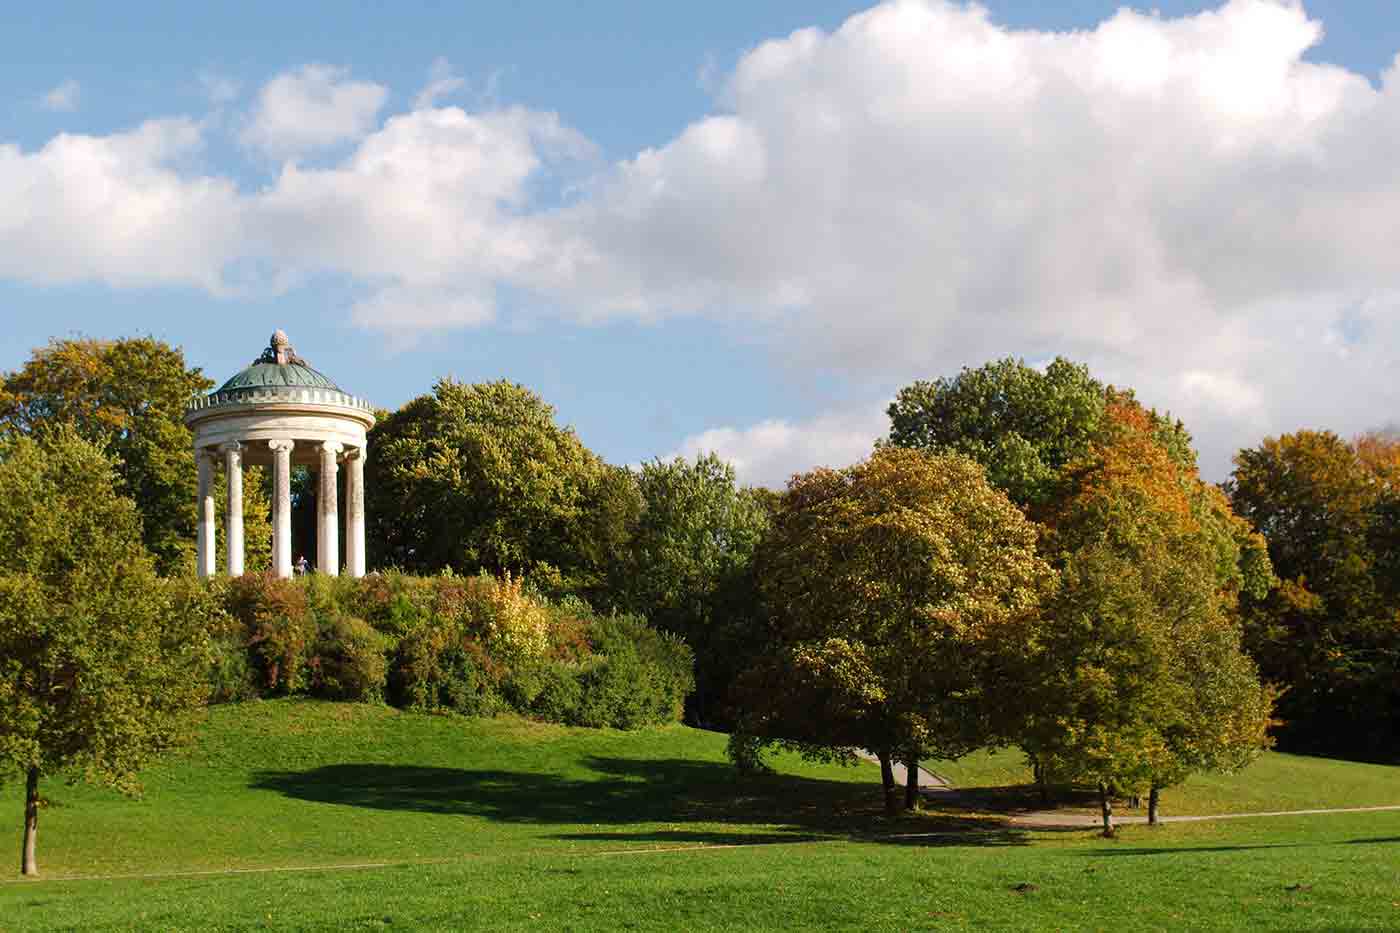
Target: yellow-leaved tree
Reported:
[(899, 591)]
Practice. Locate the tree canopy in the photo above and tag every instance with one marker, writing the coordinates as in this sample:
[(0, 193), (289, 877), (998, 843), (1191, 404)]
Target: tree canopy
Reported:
[(1140, 677), (898, 589), (686, 567), (480, 477), (1330, 635), (128, 397), (98, 657), (1023, 425)]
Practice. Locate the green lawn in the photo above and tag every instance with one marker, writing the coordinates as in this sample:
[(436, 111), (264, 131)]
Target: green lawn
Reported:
[(504, 824), (1276, 781)]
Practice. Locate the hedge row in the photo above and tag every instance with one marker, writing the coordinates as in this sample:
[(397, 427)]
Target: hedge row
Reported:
[(476, 646)]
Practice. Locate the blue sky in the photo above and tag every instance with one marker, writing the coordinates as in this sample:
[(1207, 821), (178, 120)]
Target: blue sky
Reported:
[(731, 225)]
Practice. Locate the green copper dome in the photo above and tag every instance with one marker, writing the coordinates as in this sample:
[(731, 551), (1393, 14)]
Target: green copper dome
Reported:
[(270, 375), (283, 381), (279, 367)]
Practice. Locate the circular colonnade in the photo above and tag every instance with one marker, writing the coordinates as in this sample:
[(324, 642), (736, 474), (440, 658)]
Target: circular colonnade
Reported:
[(282, 413)]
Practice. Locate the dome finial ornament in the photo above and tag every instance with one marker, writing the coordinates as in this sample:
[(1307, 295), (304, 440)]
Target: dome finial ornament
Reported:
[(279, 351)]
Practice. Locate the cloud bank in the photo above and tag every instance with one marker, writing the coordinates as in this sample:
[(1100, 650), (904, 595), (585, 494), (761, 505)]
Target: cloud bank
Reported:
[(1185, 204)]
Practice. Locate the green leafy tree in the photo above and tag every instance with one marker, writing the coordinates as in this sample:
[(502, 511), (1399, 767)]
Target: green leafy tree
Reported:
[(99, 658), (687, 567), (900, 591), (1023, 425), (1330, 636), (477, 477), (1142, 678), (128, 397)]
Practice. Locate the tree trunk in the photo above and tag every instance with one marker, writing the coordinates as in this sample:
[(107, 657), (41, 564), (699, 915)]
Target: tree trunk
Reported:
[(911, 785), (1153, 794), (1106, 806), (1042, 781), (887, 782), (28, 866)]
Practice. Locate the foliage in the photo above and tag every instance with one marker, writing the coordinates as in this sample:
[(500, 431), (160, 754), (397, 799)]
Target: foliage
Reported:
[(901, 590), (350, 660), (1330, 636), (279, 629), (257, 519), (1023, 425), (479, 477), (128, 397), (475, 646), (1141, 678), (516, 625), (98, 658), (643, 677), (687, 567)]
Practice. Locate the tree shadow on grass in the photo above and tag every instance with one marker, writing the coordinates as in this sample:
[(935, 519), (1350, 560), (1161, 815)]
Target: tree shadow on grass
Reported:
[(624, 793), (1013, 799)]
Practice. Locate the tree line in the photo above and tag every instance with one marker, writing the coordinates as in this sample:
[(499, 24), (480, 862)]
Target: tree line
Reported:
[(1029, 555)]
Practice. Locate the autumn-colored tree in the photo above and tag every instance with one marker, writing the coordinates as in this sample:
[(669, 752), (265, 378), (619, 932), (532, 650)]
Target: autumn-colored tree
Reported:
[(128, 397), (1024, 425), (1142, 677), (1330, 636), (900, 590), (99, 658)]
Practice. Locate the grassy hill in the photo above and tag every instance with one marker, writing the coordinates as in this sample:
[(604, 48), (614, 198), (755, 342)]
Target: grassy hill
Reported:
[(1276, 781), (305, 815)]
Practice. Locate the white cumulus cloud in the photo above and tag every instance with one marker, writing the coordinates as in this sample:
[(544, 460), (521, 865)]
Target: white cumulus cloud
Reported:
[(1187, 205), (770, 452), (311, 108), (121, 209)]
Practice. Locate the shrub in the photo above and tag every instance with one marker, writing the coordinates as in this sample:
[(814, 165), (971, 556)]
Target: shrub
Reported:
[(560, 694), (516, 624), (637, 676), (280, 630), (473, 646), (438, 668), (350, 662), (230, 675)]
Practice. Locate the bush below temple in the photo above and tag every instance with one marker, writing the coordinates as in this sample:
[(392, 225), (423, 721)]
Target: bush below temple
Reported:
[(471, 645)]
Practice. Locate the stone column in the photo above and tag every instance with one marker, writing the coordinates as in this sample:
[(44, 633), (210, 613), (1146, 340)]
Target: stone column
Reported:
[(204, 532), (281, 506), (355, 513), (233, 521), (327, 509)]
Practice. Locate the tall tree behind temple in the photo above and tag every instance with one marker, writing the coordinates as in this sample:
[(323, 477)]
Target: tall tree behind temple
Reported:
[(128, 397), (1330, 635), (687, 567), (480, 477)]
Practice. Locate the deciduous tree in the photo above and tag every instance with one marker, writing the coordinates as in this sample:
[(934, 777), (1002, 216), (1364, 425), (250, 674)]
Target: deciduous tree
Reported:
[(128, 397), (1022, 424), (900, 591), (686, 567), (99, 658), (477, 477), (1142, 676), (1330, 636)]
